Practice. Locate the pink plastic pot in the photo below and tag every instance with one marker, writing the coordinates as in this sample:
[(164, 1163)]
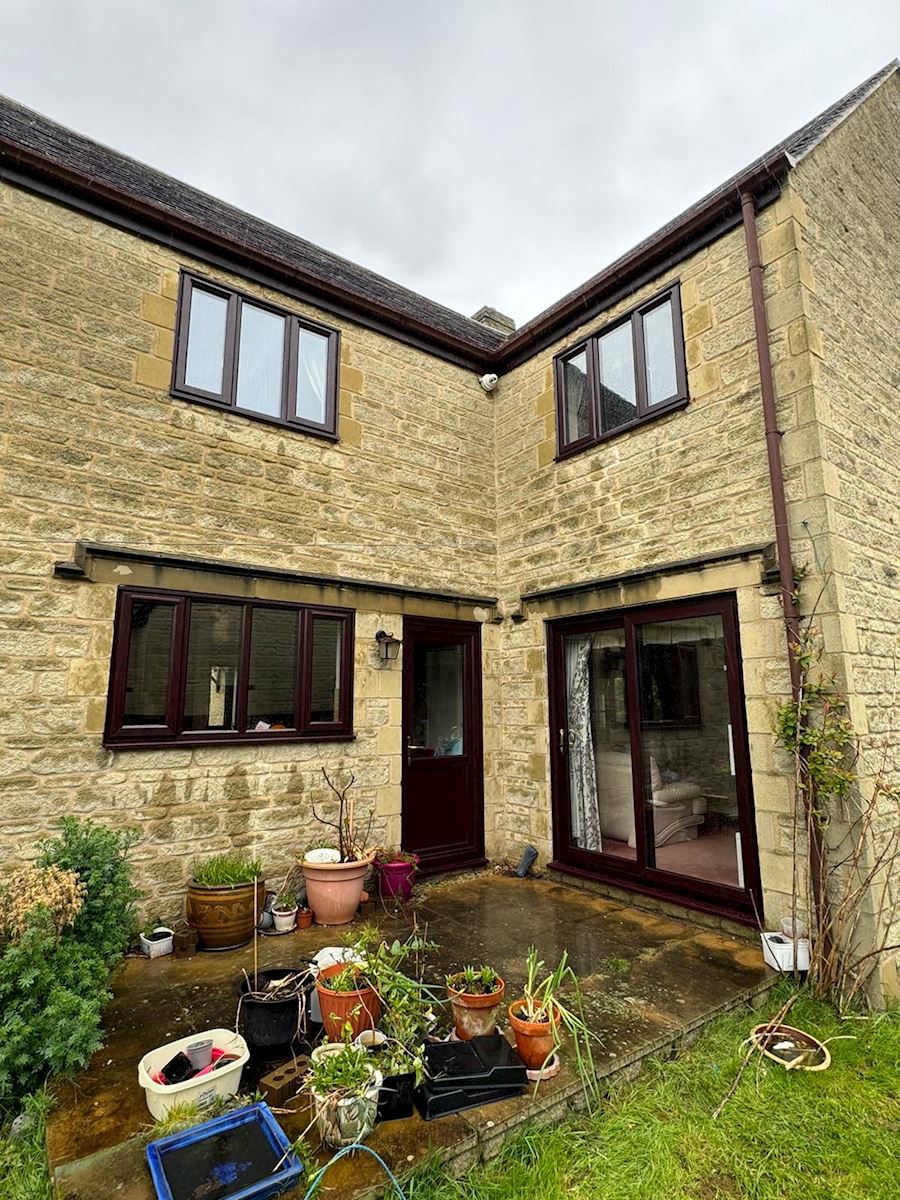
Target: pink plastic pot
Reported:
[(395, 879)]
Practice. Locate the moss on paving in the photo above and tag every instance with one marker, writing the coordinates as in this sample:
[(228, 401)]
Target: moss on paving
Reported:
[(832, 1135)]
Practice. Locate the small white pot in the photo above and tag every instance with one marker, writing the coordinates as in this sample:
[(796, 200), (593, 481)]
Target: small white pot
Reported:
[(778, 952), (157, 947), (370, 1039), (284, 918), (343, 1122)]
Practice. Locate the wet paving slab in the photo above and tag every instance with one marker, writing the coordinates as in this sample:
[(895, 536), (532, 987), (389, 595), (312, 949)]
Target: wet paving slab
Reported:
[(648, 981)]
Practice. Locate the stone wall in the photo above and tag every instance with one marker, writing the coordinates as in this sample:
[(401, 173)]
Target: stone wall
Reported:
[(851, 189), (95, 448)]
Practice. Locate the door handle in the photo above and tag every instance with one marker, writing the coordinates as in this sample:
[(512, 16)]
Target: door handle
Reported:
[(562, 741), (410, 747)]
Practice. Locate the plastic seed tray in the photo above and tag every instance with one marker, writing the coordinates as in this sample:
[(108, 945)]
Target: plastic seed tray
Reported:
[(433, 1104), (241, 1156), (483, 1062)]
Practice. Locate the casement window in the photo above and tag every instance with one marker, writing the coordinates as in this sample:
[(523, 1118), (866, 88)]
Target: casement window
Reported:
[(627, 372), (190, 669), (235, 351)]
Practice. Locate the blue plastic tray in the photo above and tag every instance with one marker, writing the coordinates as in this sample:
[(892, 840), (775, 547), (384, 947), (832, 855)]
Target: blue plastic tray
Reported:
[(228, 1158)]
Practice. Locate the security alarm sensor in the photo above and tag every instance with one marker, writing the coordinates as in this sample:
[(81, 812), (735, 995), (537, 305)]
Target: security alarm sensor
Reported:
[(489, 382)]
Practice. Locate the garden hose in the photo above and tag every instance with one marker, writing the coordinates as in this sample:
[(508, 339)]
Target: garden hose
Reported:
[(317, 1178)]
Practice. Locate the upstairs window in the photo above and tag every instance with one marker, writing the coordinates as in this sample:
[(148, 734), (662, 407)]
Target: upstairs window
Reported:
[(235, 351), (624, 374), (189, 670)]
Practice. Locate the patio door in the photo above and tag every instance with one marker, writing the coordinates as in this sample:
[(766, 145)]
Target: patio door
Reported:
[(443, 767), (650, 770)]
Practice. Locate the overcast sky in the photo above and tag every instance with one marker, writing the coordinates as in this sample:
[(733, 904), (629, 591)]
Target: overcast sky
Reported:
[(479, 151)]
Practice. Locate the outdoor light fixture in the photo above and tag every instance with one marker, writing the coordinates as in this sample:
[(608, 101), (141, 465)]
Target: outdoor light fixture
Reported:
[(388, 646)]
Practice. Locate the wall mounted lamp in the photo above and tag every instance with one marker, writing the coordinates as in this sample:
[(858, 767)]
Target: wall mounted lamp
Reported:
[(388, 646)]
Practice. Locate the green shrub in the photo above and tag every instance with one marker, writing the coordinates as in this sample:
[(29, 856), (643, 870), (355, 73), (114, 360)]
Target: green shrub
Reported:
[(227, 869), (107, 922), (52, 993)]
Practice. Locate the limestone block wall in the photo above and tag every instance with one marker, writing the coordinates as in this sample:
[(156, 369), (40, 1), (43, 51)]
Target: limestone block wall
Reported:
[(851, 190), (690, 483), (93, 447)]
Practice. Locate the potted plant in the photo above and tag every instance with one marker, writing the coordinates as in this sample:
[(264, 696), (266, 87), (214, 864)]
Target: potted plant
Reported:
[(396, 873), (347, 998), (271, 1013), (157, 940), (344, 1084), (476, 995), (334, 888), (224, 897), (305, 917), (537, 1017), (284, 910)]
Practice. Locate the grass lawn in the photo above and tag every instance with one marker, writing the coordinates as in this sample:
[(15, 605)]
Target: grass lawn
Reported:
[(831, 1135), (23, 1160)]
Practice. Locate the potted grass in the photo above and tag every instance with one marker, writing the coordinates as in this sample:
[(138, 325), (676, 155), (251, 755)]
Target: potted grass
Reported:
[(284, 910), (345, 1083), (476, 995), (334, 888), (225, 896), (396, 873), (539, 1016)]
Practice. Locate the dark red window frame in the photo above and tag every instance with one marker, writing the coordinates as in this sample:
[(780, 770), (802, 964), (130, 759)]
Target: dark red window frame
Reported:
[(171, 732), (226, 399), (589, 345)]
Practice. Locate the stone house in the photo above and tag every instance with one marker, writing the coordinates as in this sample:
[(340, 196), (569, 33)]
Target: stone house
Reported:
[(260, 516)]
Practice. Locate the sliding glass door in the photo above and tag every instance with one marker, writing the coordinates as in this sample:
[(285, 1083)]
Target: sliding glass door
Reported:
[(650, 773)]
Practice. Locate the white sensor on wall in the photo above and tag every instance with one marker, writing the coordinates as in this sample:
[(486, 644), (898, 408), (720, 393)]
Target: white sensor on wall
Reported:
[(489, 382)]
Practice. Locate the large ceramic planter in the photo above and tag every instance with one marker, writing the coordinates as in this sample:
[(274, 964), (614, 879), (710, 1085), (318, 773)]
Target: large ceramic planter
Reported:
[(334, 890), (223, 915), (343, 1122), (361, 1007), (475, 1015), (395, 879), (535, 1040)]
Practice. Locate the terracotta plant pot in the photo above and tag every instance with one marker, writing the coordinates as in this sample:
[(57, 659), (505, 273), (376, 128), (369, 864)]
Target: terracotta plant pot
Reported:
[(535, 1040), (395, 879), (361, 1007), (305, 918), (223, 915), (334, 890), (475, 1015)]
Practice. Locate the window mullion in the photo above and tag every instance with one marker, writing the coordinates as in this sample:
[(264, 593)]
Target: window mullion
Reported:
[(304, 673), (291, 367), (232, 338), (178, 666), (244, 668), (593, 371), (640, 365)]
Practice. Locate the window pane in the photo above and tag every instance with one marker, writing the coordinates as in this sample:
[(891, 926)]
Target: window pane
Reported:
[(688, 757), (325, 685), (206, 341), (212, 667), (149, 653), (437, 718), (312, 372), (260, 361), (577, 398), (273, 669), (659, 354), (618, 399)]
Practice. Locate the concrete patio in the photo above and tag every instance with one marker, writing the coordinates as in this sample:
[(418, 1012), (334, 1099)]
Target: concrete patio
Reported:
[(649, 981)]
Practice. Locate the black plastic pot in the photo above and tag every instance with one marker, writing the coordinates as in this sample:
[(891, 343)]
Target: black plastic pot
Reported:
[(271, 1027), (395, 1100)]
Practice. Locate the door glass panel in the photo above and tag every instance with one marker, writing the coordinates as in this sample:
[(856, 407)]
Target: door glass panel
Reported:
[(618, 398), (260, 358), (325, 701), (577, 397), (659, 354), (437, 708), (272, 677), (601, 793), (206, 341), (690, 792), (212, 667), (149, 655), (312, 370)]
